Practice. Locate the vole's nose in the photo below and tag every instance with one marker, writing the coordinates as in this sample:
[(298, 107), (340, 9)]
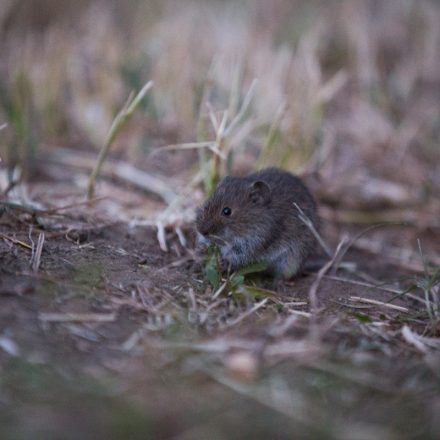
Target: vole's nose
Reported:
[(204, 230)]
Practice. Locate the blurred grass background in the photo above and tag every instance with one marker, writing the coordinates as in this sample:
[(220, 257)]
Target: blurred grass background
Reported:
[(344, 87)]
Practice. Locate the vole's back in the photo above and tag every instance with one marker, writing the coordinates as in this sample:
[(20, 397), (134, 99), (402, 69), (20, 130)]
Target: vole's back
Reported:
[(291, 240), (286, 190)]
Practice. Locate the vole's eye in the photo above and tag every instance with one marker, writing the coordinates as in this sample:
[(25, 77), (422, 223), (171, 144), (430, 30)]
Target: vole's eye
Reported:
[(226, 211)]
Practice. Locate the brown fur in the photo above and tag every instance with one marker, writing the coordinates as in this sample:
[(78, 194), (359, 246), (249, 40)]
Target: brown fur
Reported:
[(264, 224)]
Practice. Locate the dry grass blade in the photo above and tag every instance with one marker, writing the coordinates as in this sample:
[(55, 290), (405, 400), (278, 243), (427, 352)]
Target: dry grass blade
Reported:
[(273, 130), (364, 284), (278, 330), (288, 348), (15, 241), (427, 284), (332, 86), (429, 342), (414, 339), (36, 253), (378, 303), (70, 206), (217, 152), (9, 346), (300, 313), (24, 207), (219, 290), (78, 317), (355, 238), (302, 216), (181, 198), (161, 236), (314, 287), (212, 117), (132, 340), (185, 146), (396, 292), (181, 236), (119, 122), (217, 345), (244, 315), (245, 105)]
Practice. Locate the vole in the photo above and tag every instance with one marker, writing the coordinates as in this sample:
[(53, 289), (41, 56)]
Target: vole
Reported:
[(254, 219)]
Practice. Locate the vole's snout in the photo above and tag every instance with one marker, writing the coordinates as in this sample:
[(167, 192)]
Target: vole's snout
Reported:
[(206, 228), (203, 230)]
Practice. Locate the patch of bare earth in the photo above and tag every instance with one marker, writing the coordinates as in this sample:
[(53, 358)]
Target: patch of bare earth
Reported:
[(104, 334)]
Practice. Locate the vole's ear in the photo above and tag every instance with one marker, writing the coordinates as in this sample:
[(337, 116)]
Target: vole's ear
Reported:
[(260, 193)]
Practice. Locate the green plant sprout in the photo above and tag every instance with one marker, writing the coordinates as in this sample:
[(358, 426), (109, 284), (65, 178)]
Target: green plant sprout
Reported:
[(235, 281)]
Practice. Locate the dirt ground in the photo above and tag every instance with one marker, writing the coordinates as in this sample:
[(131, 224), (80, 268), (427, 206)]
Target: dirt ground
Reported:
[(111, 336)]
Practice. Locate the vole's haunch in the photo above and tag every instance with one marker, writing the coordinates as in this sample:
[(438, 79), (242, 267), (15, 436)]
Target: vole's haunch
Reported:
[(254, 219)]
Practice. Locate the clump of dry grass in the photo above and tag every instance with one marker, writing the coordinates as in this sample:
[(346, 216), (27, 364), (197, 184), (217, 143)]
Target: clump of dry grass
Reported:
[(332, 95)]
